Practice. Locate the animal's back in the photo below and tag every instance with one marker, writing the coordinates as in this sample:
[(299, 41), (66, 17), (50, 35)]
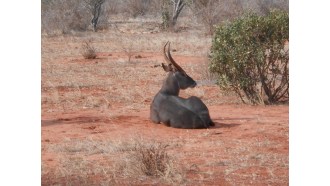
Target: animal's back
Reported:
[(197, 105), (175, 112)]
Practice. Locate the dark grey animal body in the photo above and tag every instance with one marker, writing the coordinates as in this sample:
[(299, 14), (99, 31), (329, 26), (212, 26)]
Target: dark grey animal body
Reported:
[(172, 110)]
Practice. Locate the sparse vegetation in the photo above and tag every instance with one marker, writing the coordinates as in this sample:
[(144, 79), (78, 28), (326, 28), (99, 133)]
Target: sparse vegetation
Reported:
[(94, 7), (137, 7), (138, 158), (171, 9), (88, 51), (152, 160), (211, 13), (63, 17), (128, 47)]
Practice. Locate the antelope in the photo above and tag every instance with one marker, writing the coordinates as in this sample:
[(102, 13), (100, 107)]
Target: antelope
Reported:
[(170, 109)]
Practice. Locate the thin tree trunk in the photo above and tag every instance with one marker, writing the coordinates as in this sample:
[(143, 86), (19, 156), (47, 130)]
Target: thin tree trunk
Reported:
[(96, 13), (177, 8)]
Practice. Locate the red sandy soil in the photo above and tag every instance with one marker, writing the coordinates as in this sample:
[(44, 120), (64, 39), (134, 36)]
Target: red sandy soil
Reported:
[(249, 145)]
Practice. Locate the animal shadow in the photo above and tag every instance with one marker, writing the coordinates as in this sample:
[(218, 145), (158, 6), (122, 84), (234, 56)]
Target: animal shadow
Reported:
[(74, 120), (224, 125), (222, 122)]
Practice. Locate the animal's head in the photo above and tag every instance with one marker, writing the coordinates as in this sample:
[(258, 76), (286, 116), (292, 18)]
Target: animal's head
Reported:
[(183, 79)]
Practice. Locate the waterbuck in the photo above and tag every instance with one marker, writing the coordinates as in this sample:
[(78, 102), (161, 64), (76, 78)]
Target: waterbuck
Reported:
[(170, 109)]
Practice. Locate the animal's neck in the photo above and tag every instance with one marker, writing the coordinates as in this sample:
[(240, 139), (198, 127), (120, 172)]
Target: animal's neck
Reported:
[(170, 85)]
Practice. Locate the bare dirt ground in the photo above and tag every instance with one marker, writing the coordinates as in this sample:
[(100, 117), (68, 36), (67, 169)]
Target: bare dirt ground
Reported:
[(95, 111)]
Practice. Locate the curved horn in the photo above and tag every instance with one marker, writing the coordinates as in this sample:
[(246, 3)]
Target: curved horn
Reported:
[(172, 60), (165, 56)]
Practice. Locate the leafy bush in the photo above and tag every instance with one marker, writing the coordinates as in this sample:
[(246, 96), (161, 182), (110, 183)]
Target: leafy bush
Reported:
[(250, 57)]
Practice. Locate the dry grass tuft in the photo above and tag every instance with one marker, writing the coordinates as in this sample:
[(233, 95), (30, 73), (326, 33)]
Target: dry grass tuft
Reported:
[(88, 51), (133, 160), (151, 159)]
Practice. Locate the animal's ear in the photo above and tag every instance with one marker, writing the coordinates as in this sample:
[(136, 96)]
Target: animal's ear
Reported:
[(167, 68)]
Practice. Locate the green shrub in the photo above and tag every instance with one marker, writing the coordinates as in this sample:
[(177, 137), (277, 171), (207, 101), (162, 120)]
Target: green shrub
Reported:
[(249, 57)]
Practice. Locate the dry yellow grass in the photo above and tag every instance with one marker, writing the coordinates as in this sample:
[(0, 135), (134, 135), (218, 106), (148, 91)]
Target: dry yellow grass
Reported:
[(113, 161)]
